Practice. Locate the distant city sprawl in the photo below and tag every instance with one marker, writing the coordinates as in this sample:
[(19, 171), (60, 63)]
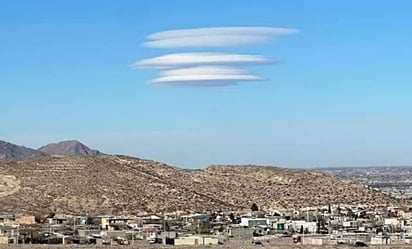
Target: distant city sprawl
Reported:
[(395, 181)]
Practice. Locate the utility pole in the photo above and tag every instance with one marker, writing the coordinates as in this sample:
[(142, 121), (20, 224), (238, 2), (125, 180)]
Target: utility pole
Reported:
[(74, 225), (303, 235)]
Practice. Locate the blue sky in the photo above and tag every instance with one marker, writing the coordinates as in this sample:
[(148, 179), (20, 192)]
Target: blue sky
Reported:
[(341, 95)]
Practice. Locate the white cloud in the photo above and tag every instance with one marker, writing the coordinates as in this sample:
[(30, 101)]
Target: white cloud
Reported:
[(208, 68), (221, 31), (205, 70), (191, 59), (215, 37), (205, 76), (210, 41)]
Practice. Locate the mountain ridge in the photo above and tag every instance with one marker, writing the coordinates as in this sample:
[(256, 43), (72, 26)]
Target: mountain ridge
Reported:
[(13, 152), (10, 152), (69, 148)]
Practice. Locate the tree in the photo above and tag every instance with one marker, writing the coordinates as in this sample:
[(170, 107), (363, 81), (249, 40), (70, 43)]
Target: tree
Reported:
[(339, 209), (91, 221), (329, 209), (51, 215), (232, 217), (351, 214), (167, 226), (254, 207), (260, 214)]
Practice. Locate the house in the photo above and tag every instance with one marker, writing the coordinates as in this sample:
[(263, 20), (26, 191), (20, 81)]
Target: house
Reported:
[(80, 220), (103, 221), (167, 238), (236, 231), (194, 218), (279, 225), (380, 240), (58, 219), (393, 221), (152, 219), (59, 239), (173, 215), (11, 232), (251, 222), (307, 227), (26, 220), (8, 220), (121, 220)]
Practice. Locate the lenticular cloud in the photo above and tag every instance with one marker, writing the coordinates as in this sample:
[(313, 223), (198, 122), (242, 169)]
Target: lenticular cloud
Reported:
[(221, 31), (215, 37), (206, 74), (207, 68), (190, 59)]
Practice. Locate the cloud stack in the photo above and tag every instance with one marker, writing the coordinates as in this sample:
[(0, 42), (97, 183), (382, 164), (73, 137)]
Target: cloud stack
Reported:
[(207, 68)]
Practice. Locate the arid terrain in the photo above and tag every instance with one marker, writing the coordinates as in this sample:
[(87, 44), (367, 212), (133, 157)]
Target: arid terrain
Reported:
[(117, 184)]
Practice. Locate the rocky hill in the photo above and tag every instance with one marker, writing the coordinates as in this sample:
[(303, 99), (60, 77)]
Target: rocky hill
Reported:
[(12, 152), (69, 148), (116, 184)]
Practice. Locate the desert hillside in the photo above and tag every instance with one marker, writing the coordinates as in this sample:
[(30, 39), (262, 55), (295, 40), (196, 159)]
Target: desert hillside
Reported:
[(116, 184)]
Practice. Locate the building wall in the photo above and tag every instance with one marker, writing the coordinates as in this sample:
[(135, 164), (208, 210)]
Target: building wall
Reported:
[(104, 222), (312, 241), (4, 240), (10, 222), (240, 232), (26, 220), (379, 241), (186, 241), (250, 222), (391, 221), (310, 226), (195, 240), (209, 241)]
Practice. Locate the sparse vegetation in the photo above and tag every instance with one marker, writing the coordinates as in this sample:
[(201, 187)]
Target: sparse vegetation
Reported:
[(254, 207), (119, 184)]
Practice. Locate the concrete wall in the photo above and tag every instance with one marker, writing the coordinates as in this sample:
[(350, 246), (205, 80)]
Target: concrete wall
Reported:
[(186, 241), (210, 241), (243, 233), (195, 240), (4, 240)]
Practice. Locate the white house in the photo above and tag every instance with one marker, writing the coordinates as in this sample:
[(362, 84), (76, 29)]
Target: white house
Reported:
[(254, 222)]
